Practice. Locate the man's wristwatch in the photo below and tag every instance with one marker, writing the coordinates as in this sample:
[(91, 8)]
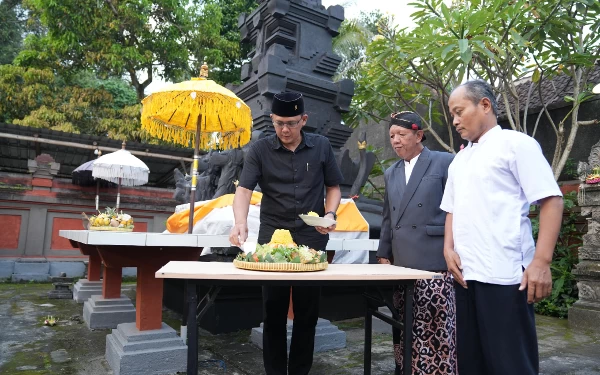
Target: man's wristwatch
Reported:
[(333, 213)]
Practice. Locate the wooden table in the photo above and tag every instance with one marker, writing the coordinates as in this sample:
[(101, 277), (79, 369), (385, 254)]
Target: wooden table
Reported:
[(217, 275), (146, 251)]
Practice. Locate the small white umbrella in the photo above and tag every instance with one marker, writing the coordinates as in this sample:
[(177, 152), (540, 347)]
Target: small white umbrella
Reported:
[(596, 89), (122, 168)]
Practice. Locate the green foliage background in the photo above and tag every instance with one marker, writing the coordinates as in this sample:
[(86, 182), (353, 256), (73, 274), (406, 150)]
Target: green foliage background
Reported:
[(564, 286)]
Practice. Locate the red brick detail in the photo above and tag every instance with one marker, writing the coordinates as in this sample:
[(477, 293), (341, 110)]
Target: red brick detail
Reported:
[(41, 182), (140, 227), (63, 223), (569, 188), (11, 228), (22, 181)]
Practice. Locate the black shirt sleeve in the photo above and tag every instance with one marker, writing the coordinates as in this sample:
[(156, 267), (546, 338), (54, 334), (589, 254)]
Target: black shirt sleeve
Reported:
[(251, 172)]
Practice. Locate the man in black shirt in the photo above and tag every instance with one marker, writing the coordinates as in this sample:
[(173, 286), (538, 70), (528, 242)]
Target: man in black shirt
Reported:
[(293, 169)]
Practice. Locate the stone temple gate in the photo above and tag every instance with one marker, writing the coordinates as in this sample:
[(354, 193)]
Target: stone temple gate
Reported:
[(292, 50)]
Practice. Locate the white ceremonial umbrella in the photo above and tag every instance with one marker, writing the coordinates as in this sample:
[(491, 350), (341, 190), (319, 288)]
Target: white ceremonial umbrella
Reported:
[(121, 168)]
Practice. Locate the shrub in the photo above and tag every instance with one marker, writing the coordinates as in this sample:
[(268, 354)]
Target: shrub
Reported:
[(564, 286)]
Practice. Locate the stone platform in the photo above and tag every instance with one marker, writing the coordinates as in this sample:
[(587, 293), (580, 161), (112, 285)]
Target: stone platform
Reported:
[(101, 313), (327, 336), (130, 351), (84, 289)]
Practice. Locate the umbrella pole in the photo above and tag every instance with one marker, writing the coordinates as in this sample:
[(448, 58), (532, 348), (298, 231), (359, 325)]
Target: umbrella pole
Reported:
[(118, 194), (97, 194), (194, 175)]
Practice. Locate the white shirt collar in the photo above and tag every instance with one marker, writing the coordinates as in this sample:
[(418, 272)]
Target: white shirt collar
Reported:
[(409, 166), (413, 160), (486, 135)]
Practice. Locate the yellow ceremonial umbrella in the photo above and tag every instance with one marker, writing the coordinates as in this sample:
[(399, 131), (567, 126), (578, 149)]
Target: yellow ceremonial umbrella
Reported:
[(199, 111)]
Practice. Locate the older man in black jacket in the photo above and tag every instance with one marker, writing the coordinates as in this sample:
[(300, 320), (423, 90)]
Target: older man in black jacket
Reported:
[(412, 235)]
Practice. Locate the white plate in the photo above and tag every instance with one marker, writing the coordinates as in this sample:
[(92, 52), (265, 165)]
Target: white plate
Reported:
[(315, 221)]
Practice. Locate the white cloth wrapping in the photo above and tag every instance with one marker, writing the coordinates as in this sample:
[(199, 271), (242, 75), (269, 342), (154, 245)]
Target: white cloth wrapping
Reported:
[(220, 221)]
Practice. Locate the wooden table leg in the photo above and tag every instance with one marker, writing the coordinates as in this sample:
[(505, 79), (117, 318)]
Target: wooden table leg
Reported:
[(94, 265), (111, 285), (148, 305)]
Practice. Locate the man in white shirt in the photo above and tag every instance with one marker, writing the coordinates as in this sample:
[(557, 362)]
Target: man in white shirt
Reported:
[(498, 269)]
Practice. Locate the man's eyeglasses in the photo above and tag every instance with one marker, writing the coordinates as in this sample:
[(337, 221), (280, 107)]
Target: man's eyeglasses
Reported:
[(289, 124)]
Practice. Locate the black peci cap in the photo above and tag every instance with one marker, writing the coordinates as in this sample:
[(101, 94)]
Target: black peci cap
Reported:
[(288, 104)]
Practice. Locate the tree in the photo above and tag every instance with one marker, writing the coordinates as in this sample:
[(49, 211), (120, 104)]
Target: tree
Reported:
[(227, 68), (113, 38), (39, 98), (11, 30), (499, 41), (136, 38), (352, 41)]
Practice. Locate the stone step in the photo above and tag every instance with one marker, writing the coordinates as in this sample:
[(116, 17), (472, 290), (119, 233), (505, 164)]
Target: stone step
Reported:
[(41, 277), (32, 267), (327, 336)]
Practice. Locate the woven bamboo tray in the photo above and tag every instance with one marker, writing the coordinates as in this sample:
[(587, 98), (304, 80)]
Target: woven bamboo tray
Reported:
[(111, 229), (280, 267)]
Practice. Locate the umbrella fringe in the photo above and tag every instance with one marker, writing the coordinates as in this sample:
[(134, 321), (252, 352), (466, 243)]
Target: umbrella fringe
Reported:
[(135, 176), (213, 108), (208, 140)]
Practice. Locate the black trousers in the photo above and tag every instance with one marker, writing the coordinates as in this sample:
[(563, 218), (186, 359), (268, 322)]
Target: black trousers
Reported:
[(495, 330), (305, 302), (276, 301)]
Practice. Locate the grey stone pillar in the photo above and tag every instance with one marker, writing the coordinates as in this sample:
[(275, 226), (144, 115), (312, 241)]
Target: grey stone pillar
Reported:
[(585, 313)]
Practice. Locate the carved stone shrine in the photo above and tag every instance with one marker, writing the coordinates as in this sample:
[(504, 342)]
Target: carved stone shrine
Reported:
[(292, 51)]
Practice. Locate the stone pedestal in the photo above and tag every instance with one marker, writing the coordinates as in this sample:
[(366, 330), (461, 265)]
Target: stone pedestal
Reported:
[(99, 312), (130, 351), (62, 287), (327, 336), (84, 289), (585, 313)]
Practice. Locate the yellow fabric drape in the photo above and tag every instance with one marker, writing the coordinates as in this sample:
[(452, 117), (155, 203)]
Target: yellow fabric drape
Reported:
[(349, 218), (178, 222)]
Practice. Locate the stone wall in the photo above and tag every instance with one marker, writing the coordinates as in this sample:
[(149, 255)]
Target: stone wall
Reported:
[(33, 210)]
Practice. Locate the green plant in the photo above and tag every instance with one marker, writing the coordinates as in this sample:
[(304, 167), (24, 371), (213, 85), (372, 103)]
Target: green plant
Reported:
[(370, 189), (570, 169), (564, 286)]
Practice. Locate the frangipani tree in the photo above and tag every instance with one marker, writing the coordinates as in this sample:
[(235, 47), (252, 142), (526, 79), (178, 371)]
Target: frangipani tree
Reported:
[(500, 41)]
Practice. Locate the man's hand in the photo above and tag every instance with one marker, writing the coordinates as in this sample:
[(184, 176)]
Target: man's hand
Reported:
[(454, 266), (325, 230), (383, 260), (238, 234), (537, 278)]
